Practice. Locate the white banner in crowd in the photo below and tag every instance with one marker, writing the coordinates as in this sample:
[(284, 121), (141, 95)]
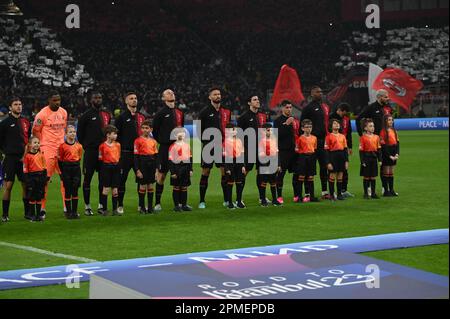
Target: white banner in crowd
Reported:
[(374, 71), (18, 54)]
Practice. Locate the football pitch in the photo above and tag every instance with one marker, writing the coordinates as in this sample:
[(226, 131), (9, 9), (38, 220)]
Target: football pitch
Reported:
[(421, 180)]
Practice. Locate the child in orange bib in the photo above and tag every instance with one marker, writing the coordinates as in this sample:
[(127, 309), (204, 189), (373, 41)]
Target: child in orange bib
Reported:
[(35, 171), (234, 165), (69, 156), (145, 155), (109, 155)]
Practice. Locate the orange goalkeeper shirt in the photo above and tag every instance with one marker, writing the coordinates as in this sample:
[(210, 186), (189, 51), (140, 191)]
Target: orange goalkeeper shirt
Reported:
[(49, 126)]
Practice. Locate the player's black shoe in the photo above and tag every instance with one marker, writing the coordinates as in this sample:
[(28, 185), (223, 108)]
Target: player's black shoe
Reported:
[(314, 200), (5, 219), (393, 193), (264, 203), (142, 211), (366, 196), (276, 203), (230, 205), (186, 208), (374, 196), (387, 194), (240, 205), (340, 197), (88, 212), (116, 213), (177, 209)]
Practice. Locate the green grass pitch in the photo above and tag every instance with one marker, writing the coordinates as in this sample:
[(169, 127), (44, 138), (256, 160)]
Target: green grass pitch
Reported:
[(421, 180)]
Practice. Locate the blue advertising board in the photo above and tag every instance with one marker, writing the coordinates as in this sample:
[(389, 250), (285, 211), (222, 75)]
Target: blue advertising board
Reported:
[(64, 274), (431, 123)]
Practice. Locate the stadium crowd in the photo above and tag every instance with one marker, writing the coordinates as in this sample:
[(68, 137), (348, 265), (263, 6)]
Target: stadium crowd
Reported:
[(34, 59), (153, 58), (422, 52)]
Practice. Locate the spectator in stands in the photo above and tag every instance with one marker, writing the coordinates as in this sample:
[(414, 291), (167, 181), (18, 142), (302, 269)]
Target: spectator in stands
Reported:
[(442, 111), (421, 113)]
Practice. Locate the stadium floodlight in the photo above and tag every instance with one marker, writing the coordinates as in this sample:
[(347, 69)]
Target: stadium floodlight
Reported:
[(9, 8)]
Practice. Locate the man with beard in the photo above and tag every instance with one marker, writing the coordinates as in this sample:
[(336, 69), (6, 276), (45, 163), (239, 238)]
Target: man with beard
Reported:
[(375, 111), (288, 132), (252, 118), (50, 127), (213, 116), (165, 121), (14, 134), (90, 135), (318, 113), (128, 125)]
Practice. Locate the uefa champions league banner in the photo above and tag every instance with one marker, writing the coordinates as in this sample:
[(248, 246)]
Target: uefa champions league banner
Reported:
[(70, 274), (431, 123), (317, 275)]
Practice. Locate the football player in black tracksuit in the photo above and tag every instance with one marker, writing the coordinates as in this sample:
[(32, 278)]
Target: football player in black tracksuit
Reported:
[(252, 118), (165, 121), (213, 116), (90, 135), (288, 131), (14, 133), (346, 129), (318, 113), (129, 128), (375, 111)]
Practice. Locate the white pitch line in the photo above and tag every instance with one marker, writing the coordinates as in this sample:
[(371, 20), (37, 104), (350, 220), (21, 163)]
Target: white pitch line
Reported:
[(46, 252), (155, 265)]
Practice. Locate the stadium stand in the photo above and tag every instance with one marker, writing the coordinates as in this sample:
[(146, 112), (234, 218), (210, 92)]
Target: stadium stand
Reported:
[(422, 52)]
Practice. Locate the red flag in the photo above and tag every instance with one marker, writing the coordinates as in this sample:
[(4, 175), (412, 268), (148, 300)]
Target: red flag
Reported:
[(336, 94), (401, 86), (287, 87)]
